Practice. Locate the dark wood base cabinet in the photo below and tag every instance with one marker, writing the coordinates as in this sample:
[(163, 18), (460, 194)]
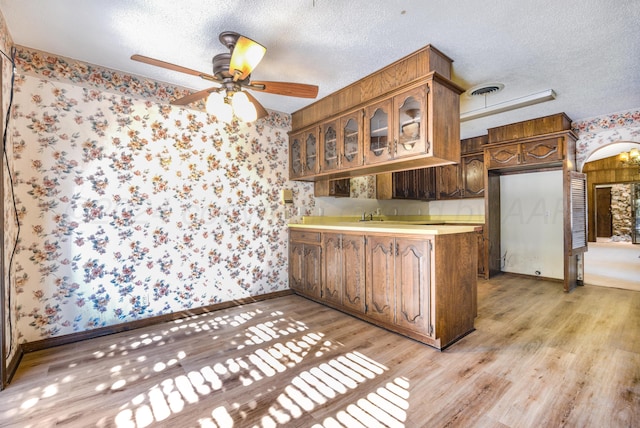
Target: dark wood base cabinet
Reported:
[(421, 286)]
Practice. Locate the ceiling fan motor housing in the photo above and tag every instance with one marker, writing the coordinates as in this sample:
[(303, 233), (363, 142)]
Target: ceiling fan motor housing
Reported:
[(221, 65)]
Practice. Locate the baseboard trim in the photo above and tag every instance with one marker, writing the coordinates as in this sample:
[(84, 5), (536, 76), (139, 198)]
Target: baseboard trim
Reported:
[(541, 278), (12, 367), (132, 325)]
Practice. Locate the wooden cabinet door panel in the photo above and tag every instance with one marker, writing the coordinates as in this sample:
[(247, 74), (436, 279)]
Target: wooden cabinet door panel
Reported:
[(296, 266), (449, 186), (473, 176), (333, 268), (413, 285), (353, 265), (312, 270), (404, 185), (426, 184), (380, 278)]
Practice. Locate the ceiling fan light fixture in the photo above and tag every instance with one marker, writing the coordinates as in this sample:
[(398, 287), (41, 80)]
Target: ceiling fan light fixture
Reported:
[(243, 108), (245, 57), (217, 106)]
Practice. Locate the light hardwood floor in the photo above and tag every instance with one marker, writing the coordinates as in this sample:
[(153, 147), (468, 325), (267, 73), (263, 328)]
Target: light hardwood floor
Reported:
[(538, 358)]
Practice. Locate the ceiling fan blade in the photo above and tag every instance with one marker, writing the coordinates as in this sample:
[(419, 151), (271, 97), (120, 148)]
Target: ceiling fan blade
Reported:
[(261, 111), (286, 88), (196, 96), (169, 66)]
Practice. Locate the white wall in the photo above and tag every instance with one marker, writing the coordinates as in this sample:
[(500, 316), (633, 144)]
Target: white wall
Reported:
[(532, 240)]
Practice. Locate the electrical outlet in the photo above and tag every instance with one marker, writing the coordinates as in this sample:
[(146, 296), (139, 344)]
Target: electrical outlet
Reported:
[(144, 300)]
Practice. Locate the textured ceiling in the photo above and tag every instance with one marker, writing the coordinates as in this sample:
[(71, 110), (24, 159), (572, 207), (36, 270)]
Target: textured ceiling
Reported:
[(587, 51)]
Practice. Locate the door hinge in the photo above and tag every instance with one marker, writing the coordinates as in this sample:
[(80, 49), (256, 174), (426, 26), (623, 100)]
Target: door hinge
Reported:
[(430, 329), (366, 308), (430, 245)]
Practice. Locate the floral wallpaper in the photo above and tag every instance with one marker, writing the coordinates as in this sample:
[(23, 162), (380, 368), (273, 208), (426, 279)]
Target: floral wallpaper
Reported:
[(363, 187), (604, 130), (131, 208), (10, 222)]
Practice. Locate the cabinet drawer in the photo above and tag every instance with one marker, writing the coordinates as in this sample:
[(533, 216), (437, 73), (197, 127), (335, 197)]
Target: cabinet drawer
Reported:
[(304, 236), (542, 151), (502, 156)]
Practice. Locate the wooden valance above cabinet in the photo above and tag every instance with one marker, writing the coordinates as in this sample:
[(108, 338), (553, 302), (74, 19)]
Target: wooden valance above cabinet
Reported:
[(404, 116)]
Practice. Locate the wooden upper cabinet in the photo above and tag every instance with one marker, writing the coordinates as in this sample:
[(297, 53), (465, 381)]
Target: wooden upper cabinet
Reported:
[(405, 116), (537, 152), (542, 151), (329, 144), (295, 156), (472, 176), (304, 153), (341, 142), (311, 158), (397, 127), (377, 135), (449, 182), (532, 143), (410, 121), (350, 142)]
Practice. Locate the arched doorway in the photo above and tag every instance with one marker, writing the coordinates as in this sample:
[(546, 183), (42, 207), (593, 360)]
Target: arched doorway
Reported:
[(613, 260)]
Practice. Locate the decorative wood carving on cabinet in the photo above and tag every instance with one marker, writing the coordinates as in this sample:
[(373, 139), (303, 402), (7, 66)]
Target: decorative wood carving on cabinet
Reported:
[(380, 278), (529, 154), (305, 263), (343, 271), (413, 285)]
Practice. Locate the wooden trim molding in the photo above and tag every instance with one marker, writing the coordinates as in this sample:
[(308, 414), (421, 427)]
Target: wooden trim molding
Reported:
[(13, 364), (103, 331)]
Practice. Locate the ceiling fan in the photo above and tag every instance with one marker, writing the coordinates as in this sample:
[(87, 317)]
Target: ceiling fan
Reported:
[(232, 73)]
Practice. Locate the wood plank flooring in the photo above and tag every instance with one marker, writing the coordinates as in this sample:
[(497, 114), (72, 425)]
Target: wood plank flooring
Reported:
[(539, 357)]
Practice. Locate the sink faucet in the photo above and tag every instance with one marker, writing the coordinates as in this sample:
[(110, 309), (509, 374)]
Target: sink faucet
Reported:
[(365, 215)]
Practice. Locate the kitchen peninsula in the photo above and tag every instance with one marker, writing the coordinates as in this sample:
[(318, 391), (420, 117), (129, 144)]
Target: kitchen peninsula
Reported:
[(412, 278)]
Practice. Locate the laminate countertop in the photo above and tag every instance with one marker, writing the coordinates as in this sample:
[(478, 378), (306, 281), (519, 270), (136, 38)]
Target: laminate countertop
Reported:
[(392, 227)]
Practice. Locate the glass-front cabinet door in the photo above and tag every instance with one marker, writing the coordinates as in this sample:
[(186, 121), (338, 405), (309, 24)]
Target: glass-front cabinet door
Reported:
[(350, 141), (295, 156), (377, 138), (310, 153), (410, 122), (330, 155)]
